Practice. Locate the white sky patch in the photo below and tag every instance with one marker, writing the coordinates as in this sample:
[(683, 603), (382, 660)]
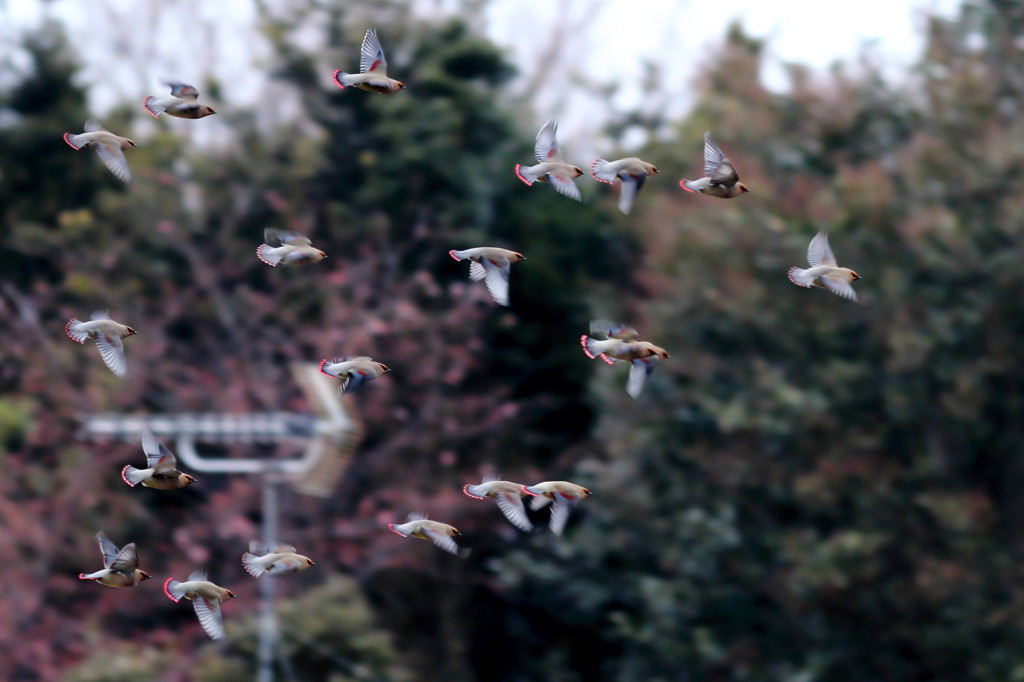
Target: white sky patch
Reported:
[(130, 46)]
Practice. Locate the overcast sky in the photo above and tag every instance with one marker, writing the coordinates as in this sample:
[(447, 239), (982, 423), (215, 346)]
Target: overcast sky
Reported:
[(606, 40)]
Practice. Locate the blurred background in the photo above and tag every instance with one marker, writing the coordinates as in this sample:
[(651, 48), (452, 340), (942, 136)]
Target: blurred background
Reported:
[(810, 489)]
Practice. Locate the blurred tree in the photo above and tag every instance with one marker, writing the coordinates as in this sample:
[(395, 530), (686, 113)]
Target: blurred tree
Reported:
[(811, 489)]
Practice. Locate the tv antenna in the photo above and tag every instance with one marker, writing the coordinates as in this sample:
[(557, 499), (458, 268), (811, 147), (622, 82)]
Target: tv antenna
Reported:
[(332, 434)]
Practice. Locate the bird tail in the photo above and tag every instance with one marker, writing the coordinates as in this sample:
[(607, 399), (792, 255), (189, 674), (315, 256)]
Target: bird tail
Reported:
[(341, 78), (325, 362), (151, 105), (72, 329), (595, 170), (89, 576), (472, 491), (594, 348), (797, 276), (526, 174), (250, 563), (393, 529), (269, 254), (172, 588), (457, 255), (74, 141), (691, 185), (132, 476)]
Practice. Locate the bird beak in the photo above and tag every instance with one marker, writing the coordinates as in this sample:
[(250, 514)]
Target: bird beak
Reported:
[(146, 576)]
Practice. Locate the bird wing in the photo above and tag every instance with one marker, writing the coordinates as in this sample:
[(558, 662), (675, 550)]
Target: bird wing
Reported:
[(126, 561), (112, 156), (371, 57), (442, 540), (713, 156), (838, 285), (639, 369), (158, 457), (717, 167), (496, 279), (511, 505), (354, 379), (547, 146), (112, 352), (564, 185), (208, 611), (560, 515), (107, 548), (183, 90), (614, 330), (271, 236), (819, 252), (631, 184), (476, 271), (283, 549)]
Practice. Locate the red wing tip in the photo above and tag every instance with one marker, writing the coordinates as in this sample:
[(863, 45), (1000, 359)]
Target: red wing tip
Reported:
[(606, 359), (125, 478), (169, 596), (69, 141), (682, 184), (520, 176), (145, 105), (469, 494), (337, 81)]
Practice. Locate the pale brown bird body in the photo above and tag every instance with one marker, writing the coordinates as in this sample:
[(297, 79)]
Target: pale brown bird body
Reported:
[(631, 172), (824, 271), (183, 103), (107, 334), (109, 147), (623, 344), (561, 495), (206, 599), (492, 265), (419, 526), (120, 566), (373, 67), (161, 470), (290, 249), (353, 371), (508, 496), (721, 179), (550, 167), (278, 560)]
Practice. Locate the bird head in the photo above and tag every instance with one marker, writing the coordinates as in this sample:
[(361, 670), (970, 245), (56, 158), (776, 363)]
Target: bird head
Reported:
[(401, 85), (586, 492), (384, 368), (309, 562), (518, 256), (743, 188), (207, 111), (578, 171), (854, 276), (189, 480), (131, 332), (230, 595), (144, 576)]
